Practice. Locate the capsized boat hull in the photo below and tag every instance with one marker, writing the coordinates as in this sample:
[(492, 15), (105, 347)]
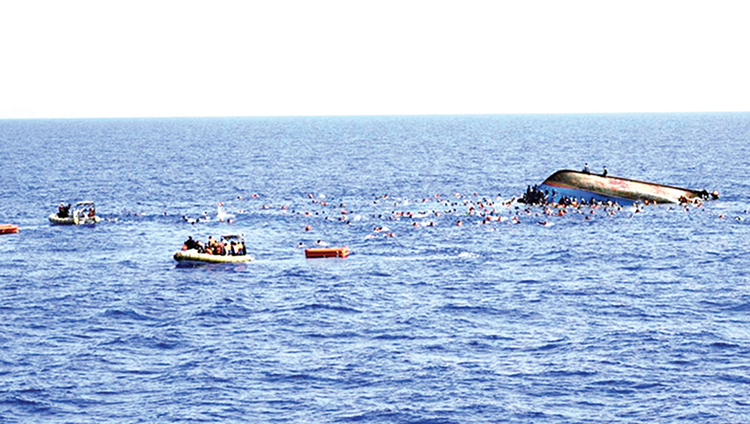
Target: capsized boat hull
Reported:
[(581, 185), (194, 256), (73, 220)]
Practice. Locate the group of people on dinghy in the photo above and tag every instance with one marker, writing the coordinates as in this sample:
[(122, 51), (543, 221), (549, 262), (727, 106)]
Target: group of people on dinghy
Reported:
[(83, 213), (215, 247)]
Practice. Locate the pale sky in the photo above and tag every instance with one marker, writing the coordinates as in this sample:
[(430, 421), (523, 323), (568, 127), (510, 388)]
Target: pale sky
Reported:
[(82, 59)]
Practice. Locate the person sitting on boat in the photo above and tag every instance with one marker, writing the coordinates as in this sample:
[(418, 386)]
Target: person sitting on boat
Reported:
[(237, 248), (586, 169), (189, 244), (214, 247), (210, 248), (63, 211), (92, 212), (604, 173)]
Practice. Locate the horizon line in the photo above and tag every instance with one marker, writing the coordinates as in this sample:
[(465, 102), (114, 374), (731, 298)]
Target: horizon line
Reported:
[(365, 115)]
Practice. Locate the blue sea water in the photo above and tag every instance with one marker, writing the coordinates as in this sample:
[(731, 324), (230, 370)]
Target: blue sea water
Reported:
[(634, 316)]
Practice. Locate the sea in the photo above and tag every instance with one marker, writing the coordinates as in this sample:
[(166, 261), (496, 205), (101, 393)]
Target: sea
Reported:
[(457, 304)]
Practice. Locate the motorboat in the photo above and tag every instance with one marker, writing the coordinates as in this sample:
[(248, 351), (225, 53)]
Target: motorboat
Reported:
[(83, 213)]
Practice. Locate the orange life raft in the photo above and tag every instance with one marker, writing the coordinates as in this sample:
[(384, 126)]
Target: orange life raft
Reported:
[(8, 228), (327, 252)]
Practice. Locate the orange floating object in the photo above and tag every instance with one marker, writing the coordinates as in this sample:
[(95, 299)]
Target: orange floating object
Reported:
[(8, 228), (327, 252)]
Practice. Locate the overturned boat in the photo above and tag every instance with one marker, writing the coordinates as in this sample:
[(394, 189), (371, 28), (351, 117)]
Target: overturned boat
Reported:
[(587, 186)]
